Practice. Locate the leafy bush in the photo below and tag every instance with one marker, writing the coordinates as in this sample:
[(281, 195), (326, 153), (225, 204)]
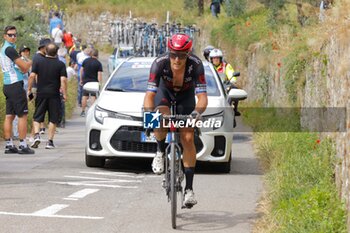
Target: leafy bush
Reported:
[(235, 7)]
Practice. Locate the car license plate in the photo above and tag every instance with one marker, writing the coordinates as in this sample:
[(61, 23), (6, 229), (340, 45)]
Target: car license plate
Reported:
[(152, 138)]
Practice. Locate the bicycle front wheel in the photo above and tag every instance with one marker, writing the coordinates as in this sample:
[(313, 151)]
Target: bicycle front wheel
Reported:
[(173, 189)]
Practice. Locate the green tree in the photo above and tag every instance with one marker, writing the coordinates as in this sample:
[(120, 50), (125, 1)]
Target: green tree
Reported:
[(30, 26)]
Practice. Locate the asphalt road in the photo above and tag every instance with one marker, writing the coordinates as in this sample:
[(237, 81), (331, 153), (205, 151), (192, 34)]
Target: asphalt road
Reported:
[(53, 191)]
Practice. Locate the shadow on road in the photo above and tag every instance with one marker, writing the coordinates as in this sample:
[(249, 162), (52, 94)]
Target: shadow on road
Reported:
[(239, 166), (213, 220)]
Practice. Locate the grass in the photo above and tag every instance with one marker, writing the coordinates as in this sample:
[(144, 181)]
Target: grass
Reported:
[(148, 9), (300, 193)]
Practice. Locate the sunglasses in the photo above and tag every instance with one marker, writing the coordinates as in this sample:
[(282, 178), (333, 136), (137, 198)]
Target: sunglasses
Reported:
[(12, 35), (181, 56)]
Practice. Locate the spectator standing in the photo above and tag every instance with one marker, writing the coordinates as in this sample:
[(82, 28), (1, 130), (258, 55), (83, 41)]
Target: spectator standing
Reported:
[(57, 35), (13, 68), (91, 71), (38, 56), (74, 51), (62, 52), (24, 52), (51, 76), (71, 72), (215, 7), (81, 56), (67, 40), (55, 20)]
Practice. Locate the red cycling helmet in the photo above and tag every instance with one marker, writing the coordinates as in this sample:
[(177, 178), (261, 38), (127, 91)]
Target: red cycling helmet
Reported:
[(180, 42)]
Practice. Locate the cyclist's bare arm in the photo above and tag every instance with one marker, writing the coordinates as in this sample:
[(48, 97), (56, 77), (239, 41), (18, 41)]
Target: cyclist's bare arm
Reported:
[(202, 102), (148, 103)]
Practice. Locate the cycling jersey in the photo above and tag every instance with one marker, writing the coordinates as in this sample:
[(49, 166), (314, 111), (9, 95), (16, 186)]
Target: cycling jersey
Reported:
[(161, 76), (226, 71), (8, 55)]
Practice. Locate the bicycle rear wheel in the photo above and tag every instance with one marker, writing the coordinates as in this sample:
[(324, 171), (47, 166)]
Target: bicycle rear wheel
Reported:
[(173, 188)]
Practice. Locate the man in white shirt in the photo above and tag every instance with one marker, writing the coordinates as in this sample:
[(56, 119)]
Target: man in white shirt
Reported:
[(57, 35), (71, 73)]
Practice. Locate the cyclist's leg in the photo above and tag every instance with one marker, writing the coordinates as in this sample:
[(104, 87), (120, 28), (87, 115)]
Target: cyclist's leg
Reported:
[(189, 161), (186, 104), (162, 103)]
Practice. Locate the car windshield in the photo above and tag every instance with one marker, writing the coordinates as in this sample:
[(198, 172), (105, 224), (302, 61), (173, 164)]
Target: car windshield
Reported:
[(133, 77)]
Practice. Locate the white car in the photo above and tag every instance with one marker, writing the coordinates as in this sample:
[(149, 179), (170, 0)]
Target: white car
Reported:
[(118, 56), (114, 124)]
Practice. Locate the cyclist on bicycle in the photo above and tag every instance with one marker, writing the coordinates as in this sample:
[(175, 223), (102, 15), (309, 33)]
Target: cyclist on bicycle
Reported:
[(225, 72), (177, 75)]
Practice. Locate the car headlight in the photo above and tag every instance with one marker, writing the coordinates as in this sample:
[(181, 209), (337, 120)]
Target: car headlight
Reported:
[(101, 113), (216, 119)]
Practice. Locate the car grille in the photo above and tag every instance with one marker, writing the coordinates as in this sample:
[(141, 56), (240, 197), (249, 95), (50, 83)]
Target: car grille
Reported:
[(128, 139)]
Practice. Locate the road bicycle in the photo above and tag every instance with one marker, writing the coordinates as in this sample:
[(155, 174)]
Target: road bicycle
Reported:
[(174, 175)]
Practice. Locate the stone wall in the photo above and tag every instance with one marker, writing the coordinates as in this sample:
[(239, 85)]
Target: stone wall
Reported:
[(327, 85), (91, 28)]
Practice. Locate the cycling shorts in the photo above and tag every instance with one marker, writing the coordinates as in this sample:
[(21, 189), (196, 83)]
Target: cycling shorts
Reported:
[(185, 101)]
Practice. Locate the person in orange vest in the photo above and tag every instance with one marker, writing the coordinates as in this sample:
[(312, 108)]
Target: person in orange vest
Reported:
[(225, 71)]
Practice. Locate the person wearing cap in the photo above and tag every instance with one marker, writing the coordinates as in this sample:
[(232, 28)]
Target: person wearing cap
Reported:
[(51, 77), (24, 52), (13, 68), (32, 80), (177, 75)]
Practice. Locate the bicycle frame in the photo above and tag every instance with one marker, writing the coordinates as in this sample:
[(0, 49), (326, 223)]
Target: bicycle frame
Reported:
[(173, 167)]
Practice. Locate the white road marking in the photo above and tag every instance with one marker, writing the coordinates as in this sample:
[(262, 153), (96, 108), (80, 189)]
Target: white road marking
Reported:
[(81, 194), (121, 174), (70, 199), (51, 216), (92, 184), (104, 179), (51, 210)]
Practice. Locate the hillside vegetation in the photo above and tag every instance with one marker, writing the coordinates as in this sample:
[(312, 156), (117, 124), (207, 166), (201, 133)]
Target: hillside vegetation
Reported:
[(300, 193)]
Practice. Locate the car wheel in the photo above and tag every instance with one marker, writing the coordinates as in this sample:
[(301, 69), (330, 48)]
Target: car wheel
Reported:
[(225, 167), (94, 161)]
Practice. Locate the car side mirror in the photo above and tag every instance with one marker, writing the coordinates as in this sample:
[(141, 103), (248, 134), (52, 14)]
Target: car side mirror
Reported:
[(92, 87), (237, 94), (236, 74)]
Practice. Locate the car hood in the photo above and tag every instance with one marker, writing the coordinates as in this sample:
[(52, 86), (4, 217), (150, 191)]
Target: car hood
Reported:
[(131, 103)]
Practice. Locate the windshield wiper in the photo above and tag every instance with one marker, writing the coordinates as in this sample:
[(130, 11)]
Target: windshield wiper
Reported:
[(115, 89)]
